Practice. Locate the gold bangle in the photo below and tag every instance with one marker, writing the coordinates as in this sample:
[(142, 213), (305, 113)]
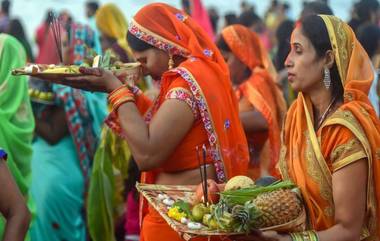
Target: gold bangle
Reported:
[(296, 237), (305, 236), (121, 101)]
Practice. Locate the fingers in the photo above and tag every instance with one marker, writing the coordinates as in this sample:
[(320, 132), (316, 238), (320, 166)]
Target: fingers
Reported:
[(257, 235), (91, 71)]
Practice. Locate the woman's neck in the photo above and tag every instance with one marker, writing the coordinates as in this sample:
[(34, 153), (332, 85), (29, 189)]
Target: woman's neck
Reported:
[(321, 99)]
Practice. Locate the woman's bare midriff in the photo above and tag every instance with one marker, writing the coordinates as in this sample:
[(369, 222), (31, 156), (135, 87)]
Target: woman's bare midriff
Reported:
[(187, 177)]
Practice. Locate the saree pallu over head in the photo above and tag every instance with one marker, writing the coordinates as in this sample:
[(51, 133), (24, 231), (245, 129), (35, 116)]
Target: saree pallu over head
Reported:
[(16, 116), (260, 88), (206, 73), (112, 22), (303, 158)]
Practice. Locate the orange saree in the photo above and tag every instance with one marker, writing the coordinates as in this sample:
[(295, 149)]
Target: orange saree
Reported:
[(351, 133), (202, 81), (258, 92)]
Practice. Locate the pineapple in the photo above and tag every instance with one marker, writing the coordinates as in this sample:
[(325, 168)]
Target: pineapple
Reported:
[(277, 207)]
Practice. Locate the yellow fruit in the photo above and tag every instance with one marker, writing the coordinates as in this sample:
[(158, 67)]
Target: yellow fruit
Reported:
[(277, 207), (212, 224), (43, 96), (238, 182)]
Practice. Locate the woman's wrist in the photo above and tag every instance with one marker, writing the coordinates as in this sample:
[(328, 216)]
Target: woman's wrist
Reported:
[(309, 235), (119, 96), (113, 84), (285, 237)]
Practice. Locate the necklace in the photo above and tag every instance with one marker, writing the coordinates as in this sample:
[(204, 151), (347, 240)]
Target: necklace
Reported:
[(323, 116)]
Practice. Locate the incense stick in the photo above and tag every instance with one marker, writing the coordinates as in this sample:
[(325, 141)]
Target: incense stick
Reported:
[(56, 29), (204, 155), (202, 177)]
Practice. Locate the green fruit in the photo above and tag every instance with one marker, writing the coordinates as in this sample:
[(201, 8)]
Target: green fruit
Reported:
[(198, 212), (206, 219), (213, 224)]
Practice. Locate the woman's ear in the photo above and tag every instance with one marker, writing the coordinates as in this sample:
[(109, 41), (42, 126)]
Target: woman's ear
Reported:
[(329, 59)]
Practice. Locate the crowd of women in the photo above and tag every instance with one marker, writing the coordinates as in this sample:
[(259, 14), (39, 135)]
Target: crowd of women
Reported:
[(70, 154)]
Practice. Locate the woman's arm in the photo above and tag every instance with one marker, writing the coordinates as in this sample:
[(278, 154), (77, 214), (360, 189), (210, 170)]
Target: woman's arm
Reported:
[(152, 144), (12, 207), (253, 121), (54, 128), (350, 195)]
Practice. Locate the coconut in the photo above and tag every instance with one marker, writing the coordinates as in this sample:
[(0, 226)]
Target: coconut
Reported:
[(238, 182)]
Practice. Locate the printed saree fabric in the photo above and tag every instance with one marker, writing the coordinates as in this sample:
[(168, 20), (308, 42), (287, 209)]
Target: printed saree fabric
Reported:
[(351, 133), (259, 89), (17, 122), (172, 31), (207, 78)]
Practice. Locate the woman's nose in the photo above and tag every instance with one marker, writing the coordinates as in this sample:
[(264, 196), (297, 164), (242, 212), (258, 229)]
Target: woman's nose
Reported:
[(288, 62)]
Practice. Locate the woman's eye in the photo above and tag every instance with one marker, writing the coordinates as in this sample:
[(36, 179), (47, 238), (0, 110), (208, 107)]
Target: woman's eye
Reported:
[(298, 50)]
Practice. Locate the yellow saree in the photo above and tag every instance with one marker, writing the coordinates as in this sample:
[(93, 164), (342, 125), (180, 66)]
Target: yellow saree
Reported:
[(352, 133)]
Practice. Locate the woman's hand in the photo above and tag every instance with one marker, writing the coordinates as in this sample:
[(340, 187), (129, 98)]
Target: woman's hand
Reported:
[(94, 79), (261, 236)]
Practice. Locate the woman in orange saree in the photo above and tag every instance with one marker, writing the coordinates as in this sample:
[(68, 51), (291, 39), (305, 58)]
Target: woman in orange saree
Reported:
[(261, 103), (331, 138), (196, 106)]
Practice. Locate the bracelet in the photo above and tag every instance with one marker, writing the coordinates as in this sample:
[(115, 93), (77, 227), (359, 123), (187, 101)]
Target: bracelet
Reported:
[(135, 90), (3, 155), (305, 236), (120, 96)]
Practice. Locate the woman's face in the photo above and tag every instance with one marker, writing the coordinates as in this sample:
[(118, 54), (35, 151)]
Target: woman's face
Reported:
[(238, 70), (154, 62), (305, 69)]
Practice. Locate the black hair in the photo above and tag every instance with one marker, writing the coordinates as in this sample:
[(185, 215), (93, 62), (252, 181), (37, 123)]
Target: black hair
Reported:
[(186, 6), (17, 30), (136, 43), (222, 45), (230, 18), (5, 6), (134, 175), (364, 8), (283, 34), (92, 5), (249, 18), (369, 37), (214, 18), (317, 7), (286, 6), (50, 14), (315, 30)]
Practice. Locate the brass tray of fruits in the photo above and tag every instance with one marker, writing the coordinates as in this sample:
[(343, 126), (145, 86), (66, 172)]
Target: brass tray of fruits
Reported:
[(127, 71), (239, 207)]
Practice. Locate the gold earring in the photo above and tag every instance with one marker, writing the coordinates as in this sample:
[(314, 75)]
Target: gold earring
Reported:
[(171, 62)]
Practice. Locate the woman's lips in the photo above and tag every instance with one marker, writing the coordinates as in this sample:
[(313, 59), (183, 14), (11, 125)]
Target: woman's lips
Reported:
[(291, 77)]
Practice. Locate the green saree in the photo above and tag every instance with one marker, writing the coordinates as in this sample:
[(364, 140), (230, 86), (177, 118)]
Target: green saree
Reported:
[(16, 117)]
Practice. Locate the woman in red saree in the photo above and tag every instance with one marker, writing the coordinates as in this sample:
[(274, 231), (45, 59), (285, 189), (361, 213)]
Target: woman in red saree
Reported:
[(196, 106), (261, 103), (331, 138)]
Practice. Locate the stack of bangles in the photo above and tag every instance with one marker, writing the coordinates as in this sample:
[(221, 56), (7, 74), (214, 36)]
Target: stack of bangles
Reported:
[(305, 236), (120, 96)]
